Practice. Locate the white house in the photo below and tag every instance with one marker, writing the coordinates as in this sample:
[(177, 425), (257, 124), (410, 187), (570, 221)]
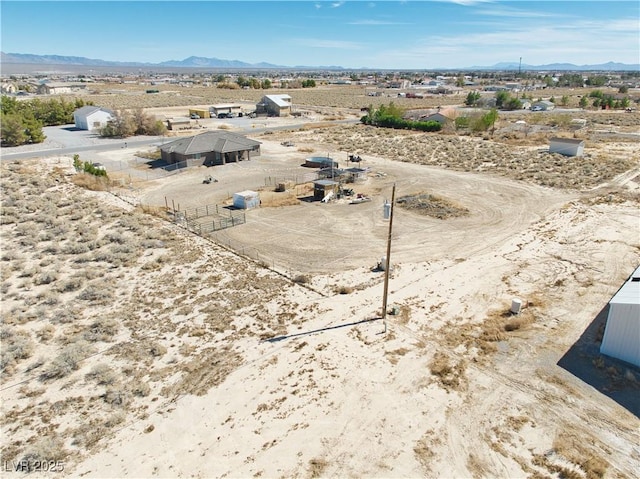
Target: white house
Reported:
[(622, 331), (566, 146), (92, 117)]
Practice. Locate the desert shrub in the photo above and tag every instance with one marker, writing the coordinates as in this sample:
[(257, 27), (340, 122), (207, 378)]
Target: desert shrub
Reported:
[(301, 279), (157, 349), (75, 248), (117, 396), (45, 449), (317, 467), (67, 361), (72, 284), (101, 329), (140, 388), (46, 333), (15, 347), (102, 374), (95, 294), (46, 277), (344, 289)]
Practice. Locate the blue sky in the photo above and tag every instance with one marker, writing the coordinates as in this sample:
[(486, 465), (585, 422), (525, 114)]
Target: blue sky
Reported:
[(352, 34)]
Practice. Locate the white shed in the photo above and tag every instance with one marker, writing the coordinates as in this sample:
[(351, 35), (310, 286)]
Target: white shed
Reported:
[(622, 332), (246, 200), (92, 117), (566, 146)]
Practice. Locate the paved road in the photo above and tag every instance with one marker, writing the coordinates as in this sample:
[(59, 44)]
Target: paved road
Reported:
[(65, 140)]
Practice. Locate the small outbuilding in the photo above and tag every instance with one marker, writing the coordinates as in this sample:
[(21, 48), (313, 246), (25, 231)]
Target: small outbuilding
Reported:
[(622, 331), (225, 108), (179, 123), (566, 146), (92, 117), (246, 200), (324, 188)]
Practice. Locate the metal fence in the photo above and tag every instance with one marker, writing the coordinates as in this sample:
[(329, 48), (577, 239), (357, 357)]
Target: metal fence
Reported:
[(293, 179)]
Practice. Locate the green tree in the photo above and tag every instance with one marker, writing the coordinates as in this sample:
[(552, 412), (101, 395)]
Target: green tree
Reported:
[(266, 84), (513, 104), (623, 89), (12, 130), (501, 98), (472, 98), (564, 101), (583, 102), (596, 80)]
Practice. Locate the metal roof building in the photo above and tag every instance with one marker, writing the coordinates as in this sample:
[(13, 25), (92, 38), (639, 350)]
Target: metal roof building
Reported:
[(210, 148), (622, 332)]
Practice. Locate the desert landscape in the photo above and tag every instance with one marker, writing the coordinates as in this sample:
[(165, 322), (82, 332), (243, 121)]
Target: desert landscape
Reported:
[(134, 347)]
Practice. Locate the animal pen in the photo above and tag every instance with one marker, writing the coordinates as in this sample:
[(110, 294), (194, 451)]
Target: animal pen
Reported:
[(209, 218)]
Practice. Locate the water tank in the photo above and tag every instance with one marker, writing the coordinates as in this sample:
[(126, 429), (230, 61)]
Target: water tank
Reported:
[(386, 209), (516, 305)]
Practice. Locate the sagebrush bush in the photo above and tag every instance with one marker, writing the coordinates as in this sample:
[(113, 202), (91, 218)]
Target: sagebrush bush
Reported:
[(16, 346), (117, 396), (45, 449), (67, 361), (101, 329), (102, 374)]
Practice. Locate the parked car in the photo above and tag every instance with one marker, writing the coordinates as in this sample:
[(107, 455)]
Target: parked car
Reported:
[(536, 108), (195, 116)]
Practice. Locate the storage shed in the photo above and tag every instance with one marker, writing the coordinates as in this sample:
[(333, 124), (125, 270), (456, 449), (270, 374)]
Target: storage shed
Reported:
[(246, 200), (566, 146), (622, 331), (322, 188), (92, 117)]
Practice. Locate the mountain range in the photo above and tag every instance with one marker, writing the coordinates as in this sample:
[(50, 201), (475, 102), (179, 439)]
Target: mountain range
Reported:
[(204, 62)]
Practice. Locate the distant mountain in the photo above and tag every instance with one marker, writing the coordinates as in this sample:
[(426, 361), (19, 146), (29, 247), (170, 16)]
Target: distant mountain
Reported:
[(60, 60), (201, 62), (204, 62), (609, 66)]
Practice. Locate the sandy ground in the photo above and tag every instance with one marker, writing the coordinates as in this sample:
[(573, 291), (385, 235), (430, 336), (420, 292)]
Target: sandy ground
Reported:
[(268, 377)]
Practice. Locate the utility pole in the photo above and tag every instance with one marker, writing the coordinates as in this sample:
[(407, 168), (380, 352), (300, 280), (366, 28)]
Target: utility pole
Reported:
[(388, 262)]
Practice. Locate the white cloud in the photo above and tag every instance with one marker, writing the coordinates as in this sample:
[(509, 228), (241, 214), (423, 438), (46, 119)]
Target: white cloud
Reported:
[(337, 4), (573, 42)]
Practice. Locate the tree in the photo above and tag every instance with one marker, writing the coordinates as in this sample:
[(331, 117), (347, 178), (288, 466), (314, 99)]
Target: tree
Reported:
[(564, 101), (266, 84), (623, 89), (12, 130), (501, 98), (472, 98), (583, 102), (310, 83), (121, 126), (513, 104)]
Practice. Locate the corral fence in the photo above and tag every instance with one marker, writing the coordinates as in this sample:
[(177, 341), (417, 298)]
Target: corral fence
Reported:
[(291, 179), (206, 219)]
